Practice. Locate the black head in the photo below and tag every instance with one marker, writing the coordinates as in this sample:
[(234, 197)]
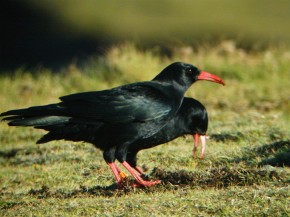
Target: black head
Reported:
[(182, 73), (185, 74), (193, 117)]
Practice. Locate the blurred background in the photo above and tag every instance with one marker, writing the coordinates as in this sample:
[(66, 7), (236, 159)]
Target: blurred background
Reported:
[(54, 33)]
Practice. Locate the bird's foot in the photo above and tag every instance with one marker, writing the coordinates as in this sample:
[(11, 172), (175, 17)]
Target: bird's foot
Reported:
[(138, 178)]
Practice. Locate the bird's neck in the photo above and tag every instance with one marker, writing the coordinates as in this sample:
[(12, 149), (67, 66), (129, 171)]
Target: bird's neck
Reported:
[(176, 84), (173, 89)]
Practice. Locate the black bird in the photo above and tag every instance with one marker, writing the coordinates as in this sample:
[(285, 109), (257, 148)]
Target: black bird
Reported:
[(191, 118), (113, 119)]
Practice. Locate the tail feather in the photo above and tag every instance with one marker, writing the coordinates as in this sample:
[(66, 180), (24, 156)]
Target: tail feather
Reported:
[(14, 112), (40, 121), (57, 120), (46, 110), (37, 116), (10, 118)]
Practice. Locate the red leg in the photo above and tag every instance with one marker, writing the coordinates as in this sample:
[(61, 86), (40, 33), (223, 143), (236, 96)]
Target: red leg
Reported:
[(139, 170), (137, 177), (195, 142), (116, 172), (122, 174), (203, 144)]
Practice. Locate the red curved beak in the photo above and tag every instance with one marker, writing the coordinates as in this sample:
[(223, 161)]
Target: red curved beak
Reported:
[(210, 77)]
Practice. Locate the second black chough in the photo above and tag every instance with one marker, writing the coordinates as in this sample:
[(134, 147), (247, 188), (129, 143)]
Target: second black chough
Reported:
[(113, 119), (191, 119)]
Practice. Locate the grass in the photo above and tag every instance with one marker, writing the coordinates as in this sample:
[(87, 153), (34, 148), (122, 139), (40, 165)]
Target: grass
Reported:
[(245, 171)]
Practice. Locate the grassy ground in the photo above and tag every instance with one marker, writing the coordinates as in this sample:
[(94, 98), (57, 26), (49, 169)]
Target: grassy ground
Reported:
[(245, 171)]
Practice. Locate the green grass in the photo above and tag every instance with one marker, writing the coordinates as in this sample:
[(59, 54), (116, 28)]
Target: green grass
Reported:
[(245, 171)]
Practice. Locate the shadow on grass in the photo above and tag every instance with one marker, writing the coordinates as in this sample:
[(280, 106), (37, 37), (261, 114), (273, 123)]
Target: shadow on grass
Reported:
[(277, 154), (24, 157), (178, 180), (274, 154), (9, 153), (223, 137)]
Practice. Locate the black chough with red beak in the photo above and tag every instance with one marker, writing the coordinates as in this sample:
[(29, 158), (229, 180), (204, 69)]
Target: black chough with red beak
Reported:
[(115, 118)]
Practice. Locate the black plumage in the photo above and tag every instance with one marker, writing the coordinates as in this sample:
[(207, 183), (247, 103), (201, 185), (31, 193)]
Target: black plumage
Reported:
[(191, 119)]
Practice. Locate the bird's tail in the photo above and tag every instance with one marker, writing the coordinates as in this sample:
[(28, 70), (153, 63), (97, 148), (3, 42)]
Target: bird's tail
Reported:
[(57, 120), (37, 116)]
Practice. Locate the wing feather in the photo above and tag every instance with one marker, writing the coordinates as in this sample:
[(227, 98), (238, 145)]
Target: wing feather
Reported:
[(141, 102)]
